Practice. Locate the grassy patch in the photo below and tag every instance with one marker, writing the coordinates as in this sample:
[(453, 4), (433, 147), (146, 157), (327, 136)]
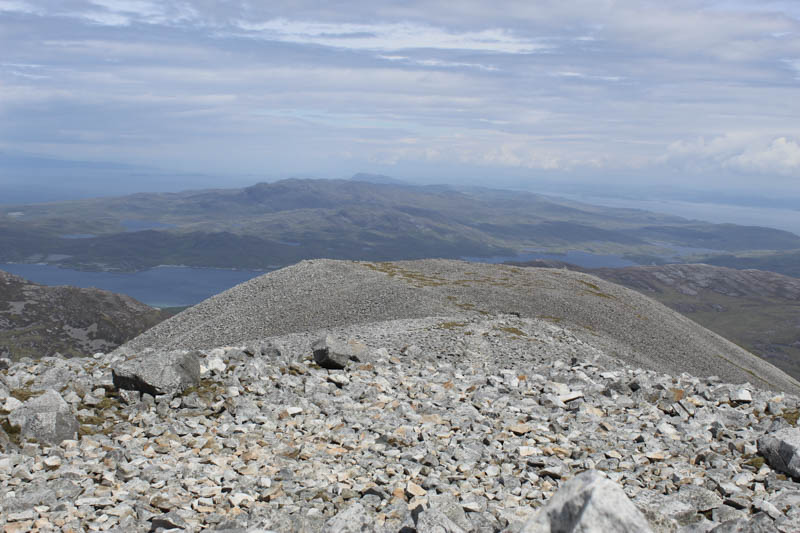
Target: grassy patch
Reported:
[(451, 325), (208, 389), (756, 462), (24, 395), (791, 416), (590, 285), (11, 430), (514, 331)]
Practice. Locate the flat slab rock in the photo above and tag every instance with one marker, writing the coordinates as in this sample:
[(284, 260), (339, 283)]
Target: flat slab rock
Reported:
[(781, 449), (158, 373)]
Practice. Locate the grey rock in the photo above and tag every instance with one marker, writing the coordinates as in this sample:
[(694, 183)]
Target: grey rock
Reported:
[(781, 449), (158, 373), (334, 354), (588, 503), (434, 521), (756, 525), (167, 521), (47, 419), (354, 519)]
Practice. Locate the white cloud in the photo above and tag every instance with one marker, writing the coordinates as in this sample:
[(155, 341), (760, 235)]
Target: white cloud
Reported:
[(741, 152), (793, 64), (388, 37), (18, 6), (781, 156), (104, 18), (582, 76), (438, 63)]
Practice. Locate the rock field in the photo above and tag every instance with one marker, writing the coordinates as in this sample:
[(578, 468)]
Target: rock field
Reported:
[(324, 293), (439, 424)]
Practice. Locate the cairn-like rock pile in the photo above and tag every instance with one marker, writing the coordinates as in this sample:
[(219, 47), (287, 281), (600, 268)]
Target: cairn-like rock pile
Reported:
[(437, 424)]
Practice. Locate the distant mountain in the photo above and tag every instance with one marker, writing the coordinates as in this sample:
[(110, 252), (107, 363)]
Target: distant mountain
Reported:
[(38, 321), (784, 262), (275, 224), (756, 309), (377, 178)]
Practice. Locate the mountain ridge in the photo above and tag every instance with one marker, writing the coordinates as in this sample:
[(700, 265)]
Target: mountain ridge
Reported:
[(40, 321), (283, 222), (317, 294)]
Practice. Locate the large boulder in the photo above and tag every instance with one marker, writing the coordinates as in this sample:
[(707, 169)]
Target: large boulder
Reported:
[(47, 419), (334, 354), (781, 449), (588, 503), (158, 373), (354, 519)]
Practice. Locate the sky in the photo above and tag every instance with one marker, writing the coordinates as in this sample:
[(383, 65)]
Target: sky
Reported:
[(691, 94)]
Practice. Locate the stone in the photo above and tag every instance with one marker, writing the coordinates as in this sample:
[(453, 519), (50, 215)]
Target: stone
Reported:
[(588, 503), (781, 449), (354, 519), (158, 373), (334, 354), (167, 521), (434, 521), (11, 404), (741, 395), (47, 419), (741, 525)]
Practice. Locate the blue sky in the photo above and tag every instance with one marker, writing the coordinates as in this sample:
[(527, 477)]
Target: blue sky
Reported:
[(682, 93)]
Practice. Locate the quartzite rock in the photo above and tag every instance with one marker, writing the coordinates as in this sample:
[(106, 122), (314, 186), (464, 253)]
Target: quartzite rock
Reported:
[(333, 354), (782, 450), (158, 373), (47, 419), (588, 503)]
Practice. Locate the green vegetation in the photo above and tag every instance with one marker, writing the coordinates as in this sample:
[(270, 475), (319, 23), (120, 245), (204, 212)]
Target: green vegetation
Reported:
[(514, 331), (280, 223)]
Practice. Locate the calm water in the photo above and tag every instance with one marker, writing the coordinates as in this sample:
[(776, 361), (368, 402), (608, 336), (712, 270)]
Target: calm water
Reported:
[(165, 286), (770, 217), (582, 259)]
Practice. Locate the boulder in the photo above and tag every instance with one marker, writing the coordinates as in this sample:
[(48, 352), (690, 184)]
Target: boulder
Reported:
[(158, 373), (334, 354), (781, 449), (435, 521), (588, 503), (46, 419), (353, 519)]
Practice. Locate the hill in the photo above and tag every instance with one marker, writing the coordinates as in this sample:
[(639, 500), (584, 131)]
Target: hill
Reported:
[(474, 421), (756, 309), (280, 223), (38, 321), (324, 293)]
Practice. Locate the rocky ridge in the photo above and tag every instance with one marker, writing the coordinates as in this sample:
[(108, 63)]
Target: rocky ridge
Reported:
[(487, 423), (326, 293), (37, 320), (756, 309)]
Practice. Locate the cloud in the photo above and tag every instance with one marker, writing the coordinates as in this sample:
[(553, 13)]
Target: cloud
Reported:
[(18, 6), (390, 37), (741, 152)]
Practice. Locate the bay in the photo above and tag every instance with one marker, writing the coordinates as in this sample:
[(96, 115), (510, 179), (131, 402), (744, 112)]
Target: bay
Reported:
[(164, 286)]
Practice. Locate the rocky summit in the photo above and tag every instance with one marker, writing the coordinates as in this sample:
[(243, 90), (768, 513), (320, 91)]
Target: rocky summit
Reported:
[(464, 422)]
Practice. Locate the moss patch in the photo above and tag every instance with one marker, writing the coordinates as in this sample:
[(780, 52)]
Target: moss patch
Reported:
[(451, 325), (24, 395), (756, 462), (514, 331), (791, 416)]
